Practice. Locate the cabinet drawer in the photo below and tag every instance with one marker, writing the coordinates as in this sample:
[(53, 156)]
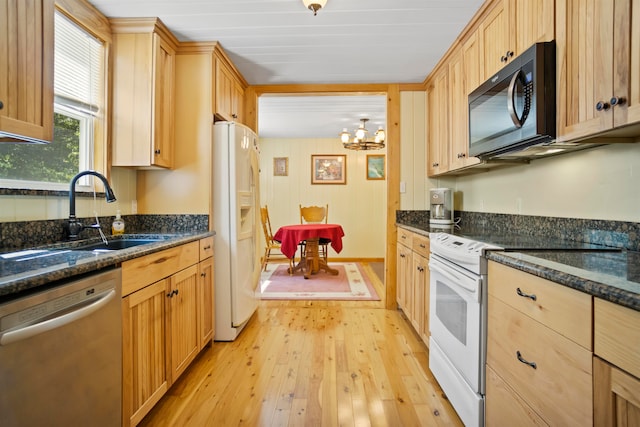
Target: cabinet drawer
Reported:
[(421, 245), (616, 335), (559, 387), (140, 272), (206, 248), (405, 237), (562, 309), (504, 407)]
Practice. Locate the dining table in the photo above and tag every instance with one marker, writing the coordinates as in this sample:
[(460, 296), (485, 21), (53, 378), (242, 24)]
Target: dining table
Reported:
[(311, 262)]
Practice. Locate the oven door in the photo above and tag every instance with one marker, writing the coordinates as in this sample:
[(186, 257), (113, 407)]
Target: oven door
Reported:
[(454, 318)]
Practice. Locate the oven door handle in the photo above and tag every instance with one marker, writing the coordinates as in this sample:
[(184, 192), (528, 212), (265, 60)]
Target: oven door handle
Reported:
[(459, 281)]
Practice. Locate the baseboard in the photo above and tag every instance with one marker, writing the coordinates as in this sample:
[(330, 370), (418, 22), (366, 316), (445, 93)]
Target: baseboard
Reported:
[(355, 260)]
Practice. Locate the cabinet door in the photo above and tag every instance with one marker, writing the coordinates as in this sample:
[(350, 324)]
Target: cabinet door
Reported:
[(421, 296), (143, 94), (164, 101), (224, 92), (26, 69), (534, 22), (237, 103), (144, 344), (626, 62), (418, 267), (496, 39), (438, 149), (403, 276), (183, 319), (584, 45), (206, 302), (616, 396)]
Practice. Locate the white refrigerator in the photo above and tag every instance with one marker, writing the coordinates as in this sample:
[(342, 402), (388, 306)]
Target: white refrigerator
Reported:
[(235, 217)]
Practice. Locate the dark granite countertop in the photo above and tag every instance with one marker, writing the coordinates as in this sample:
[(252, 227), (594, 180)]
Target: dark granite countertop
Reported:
[(18, 278), (613, 274)]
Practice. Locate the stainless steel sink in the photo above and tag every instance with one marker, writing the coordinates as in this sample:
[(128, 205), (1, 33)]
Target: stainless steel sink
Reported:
[(116, 244)]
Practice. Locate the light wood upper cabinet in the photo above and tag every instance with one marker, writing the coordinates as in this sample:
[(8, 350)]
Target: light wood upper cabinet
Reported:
[(599, 41), (510, 28), (26, 70), (464, 77), (143, 93), (534, 22), (229, 91), (497, 44), (438, 145)]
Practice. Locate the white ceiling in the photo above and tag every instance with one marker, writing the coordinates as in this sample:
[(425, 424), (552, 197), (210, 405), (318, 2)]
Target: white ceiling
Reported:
[(281, 42)]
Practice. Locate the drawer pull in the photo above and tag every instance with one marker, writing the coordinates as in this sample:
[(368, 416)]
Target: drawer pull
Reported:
[(521, 359), (206, 248), (423, 246), (522, 294)]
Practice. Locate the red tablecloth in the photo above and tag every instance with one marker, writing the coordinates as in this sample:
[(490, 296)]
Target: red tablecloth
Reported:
[(290, 235)]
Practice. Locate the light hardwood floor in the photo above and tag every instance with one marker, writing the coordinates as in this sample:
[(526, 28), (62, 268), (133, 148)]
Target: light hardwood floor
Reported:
[(311, 363)]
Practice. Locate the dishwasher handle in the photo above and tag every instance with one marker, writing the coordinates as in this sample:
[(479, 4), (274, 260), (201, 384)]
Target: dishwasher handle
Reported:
[(57, 322)]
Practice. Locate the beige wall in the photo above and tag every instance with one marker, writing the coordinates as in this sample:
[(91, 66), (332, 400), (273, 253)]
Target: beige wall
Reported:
[(186, 188), (359, 206), (34, 208), (599, 183)]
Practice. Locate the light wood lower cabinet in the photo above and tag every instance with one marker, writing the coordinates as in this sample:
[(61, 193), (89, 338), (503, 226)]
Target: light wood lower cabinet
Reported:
[(535, 347), (616, 380), (413, 280), (166, 322)]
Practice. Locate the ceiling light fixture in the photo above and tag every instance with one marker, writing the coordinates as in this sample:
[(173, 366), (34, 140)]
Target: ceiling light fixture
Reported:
[(314, 5), (361, 139)]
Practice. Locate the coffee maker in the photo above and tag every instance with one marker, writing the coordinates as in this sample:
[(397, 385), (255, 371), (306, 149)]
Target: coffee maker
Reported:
[(441, 206)]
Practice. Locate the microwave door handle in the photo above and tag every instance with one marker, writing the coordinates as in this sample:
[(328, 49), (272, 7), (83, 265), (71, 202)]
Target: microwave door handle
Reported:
[(517, 121)]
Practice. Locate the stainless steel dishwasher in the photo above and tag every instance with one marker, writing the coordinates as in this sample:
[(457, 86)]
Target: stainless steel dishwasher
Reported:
[(61, 355)]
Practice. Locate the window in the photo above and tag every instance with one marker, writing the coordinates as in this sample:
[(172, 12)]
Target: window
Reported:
[(78, 88)]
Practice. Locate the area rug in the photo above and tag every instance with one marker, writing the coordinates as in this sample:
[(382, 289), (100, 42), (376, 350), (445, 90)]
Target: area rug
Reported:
[(351, 283)]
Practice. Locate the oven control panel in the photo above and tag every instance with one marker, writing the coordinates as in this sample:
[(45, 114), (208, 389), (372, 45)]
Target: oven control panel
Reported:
[(459, 250)]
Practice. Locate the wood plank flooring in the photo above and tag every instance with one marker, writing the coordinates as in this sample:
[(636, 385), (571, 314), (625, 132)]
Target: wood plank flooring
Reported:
[(311, 363)]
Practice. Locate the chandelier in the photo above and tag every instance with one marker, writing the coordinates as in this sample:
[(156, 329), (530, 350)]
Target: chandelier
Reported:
[(361, 139), (314, 5)]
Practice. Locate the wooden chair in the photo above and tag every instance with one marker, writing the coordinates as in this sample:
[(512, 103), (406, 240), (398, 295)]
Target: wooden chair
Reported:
[(270, 244), (315, 215)]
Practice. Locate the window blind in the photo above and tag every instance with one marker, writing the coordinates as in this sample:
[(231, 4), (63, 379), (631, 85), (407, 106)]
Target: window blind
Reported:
[(78, 66)]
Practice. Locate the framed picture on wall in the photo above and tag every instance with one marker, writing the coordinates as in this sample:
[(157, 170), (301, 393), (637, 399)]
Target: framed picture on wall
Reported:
[(375, 166), (328, 169), (280, 166)]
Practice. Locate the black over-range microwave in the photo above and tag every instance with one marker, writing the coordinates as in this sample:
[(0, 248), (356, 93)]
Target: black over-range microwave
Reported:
[(515, 108)]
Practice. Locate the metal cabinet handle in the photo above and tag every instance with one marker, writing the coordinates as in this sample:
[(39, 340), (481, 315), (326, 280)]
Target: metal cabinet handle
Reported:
[(402, 256), (600, 106), (206, 248), (522, 294), (526, 362), (617, 100), (1, 105)]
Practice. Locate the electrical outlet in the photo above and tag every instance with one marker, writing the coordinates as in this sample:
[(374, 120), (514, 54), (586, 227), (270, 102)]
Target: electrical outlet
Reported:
[(518, 205), (481, 204), (403, 187), (134, 207)]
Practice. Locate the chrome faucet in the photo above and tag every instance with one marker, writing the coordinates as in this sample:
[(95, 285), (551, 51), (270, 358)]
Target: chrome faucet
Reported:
[(72, 226)]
